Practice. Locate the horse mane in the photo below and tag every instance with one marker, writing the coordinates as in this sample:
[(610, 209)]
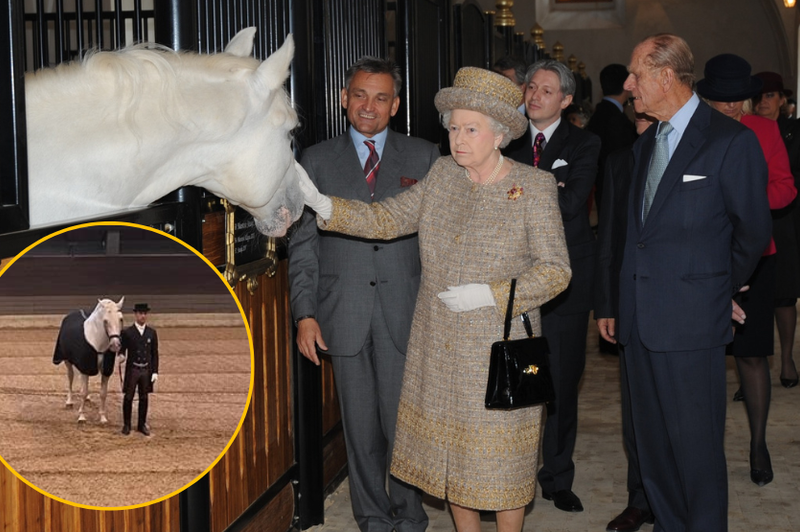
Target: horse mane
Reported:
[(127, 73)]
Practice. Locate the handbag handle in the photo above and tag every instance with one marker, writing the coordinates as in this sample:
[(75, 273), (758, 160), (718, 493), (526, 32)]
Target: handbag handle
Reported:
[(510, 309)]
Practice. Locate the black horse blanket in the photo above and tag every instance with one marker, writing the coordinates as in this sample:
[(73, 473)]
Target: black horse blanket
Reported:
[(71, 346)]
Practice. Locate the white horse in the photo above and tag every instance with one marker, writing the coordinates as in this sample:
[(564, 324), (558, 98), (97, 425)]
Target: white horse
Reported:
[(120, 130), (85, 344)]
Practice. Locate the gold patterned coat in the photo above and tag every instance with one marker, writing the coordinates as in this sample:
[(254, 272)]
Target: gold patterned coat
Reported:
[(447, 442)]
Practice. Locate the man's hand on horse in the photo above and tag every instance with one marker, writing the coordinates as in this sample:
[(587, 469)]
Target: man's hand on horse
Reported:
[(154, 378)]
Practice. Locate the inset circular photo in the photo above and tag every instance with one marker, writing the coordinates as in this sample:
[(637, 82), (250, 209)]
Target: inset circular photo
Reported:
[(125, 366)]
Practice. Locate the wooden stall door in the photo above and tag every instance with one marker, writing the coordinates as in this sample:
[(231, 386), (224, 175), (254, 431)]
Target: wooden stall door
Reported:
[(263, 452)]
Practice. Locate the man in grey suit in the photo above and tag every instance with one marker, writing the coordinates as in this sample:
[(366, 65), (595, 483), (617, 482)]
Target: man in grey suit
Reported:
[(353, 299), (698, 221)]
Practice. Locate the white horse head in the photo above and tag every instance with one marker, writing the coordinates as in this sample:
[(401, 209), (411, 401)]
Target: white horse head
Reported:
[(122, 129), (103, 327)]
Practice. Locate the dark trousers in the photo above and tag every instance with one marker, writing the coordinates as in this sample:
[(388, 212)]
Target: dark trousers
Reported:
[(678, 407), (368, 385), (566, 336), (139, 379), (636, 495)]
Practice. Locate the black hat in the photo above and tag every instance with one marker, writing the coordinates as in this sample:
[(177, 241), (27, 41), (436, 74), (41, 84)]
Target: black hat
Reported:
[(141, 307), (728, 79)]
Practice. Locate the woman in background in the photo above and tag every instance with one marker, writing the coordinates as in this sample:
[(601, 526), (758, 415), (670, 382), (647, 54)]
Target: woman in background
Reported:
[(728, 87)]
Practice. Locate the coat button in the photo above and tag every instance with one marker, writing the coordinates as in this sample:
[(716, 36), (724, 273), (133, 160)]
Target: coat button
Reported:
[(457, 238), (372, 283), (376, 248), (640, 245)]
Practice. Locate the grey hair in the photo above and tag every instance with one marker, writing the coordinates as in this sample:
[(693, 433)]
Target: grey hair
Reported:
[(565, 76), (498, 128), (375, 65)]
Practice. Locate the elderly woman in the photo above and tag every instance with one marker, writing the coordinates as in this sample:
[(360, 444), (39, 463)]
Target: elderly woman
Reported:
[(728, 87), (482, 221)]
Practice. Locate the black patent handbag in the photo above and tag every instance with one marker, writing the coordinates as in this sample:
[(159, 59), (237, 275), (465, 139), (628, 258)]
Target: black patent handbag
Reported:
[(519, 370)]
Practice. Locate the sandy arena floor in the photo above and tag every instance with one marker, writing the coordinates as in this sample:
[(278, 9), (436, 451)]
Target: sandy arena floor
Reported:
[(204, 379)]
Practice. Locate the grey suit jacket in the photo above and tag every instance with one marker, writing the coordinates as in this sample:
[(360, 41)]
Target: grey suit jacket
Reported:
[(337, 278), (706, 230)]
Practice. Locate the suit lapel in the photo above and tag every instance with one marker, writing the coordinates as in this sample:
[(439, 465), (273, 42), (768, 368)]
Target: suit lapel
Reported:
[(352, 171), (642, 152), (390, 164), (521, 150), (691, 141), (554, 146)]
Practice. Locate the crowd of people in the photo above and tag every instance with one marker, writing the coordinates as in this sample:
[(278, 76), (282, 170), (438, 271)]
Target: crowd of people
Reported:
[(400, 272)]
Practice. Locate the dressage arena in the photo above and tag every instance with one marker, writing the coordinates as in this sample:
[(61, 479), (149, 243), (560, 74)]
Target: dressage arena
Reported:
[(199, 399)]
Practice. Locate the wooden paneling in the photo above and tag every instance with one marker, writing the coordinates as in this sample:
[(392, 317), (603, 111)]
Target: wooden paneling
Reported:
[(331, 415), (264, 449), (26, 510), (275, 516)]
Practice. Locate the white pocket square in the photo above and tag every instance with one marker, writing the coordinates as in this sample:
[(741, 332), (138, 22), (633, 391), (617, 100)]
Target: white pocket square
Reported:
[(558, 164), (690, 177)]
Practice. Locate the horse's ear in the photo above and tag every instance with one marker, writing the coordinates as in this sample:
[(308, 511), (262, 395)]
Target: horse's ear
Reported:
[(120, 302), (275, 69), (242, 43)]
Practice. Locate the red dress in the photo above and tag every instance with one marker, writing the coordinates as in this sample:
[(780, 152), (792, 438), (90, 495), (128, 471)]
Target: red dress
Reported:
[(780, 188)]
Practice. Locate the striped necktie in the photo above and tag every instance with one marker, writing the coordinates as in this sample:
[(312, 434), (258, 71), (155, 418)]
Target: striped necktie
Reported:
[(371, 166), (538, 147)]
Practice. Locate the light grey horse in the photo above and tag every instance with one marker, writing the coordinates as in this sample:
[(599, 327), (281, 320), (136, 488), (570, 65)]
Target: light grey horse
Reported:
[(88, 345)]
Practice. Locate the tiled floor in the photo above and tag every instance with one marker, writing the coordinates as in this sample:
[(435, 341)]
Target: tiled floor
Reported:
[(601, 465)]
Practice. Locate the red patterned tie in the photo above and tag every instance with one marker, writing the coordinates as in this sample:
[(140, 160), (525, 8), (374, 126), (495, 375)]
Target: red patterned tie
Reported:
[(537, 149), (371, 166)]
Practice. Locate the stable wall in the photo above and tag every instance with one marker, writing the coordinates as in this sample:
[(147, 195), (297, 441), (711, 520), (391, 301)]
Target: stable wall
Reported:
[(762, 31)]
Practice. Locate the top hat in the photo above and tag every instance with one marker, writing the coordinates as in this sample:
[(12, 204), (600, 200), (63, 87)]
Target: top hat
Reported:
[(773, 82), (141, 307), (728, 79), (488, 93)]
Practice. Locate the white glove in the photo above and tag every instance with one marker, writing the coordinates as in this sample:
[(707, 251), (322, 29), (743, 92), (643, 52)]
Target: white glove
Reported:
[(154, 378), (319, 202), (467, 297)]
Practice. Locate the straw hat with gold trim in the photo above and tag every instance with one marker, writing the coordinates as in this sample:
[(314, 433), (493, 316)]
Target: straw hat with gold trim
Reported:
[(486, 92)]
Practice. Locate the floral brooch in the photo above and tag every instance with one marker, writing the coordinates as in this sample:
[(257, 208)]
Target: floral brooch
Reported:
[(515, 192)]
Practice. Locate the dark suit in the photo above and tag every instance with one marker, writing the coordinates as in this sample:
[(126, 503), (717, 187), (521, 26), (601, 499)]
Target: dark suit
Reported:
[(611, 232), (616, 132), (708, 225), (565, 319), (362, 293), (140, 364)]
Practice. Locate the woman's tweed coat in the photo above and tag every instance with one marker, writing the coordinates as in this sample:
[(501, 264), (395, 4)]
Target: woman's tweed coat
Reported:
[(447, 442)]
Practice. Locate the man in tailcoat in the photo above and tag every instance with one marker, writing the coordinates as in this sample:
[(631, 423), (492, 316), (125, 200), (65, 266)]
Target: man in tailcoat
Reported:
[(140, 348), (570, 153), (698, 221), (353, 299)]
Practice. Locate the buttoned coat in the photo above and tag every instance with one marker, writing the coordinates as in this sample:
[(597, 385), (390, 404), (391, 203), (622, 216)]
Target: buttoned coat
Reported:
[(447, 442), (708, 226)]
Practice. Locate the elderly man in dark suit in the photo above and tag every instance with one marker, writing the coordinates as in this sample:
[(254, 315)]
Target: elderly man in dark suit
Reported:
[(609, 121), (140, 349), (354, 299), (698, 221), (570, 153)]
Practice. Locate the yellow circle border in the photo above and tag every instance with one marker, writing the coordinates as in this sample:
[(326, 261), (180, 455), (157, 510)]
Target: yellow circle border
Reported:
[(252, 367)]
